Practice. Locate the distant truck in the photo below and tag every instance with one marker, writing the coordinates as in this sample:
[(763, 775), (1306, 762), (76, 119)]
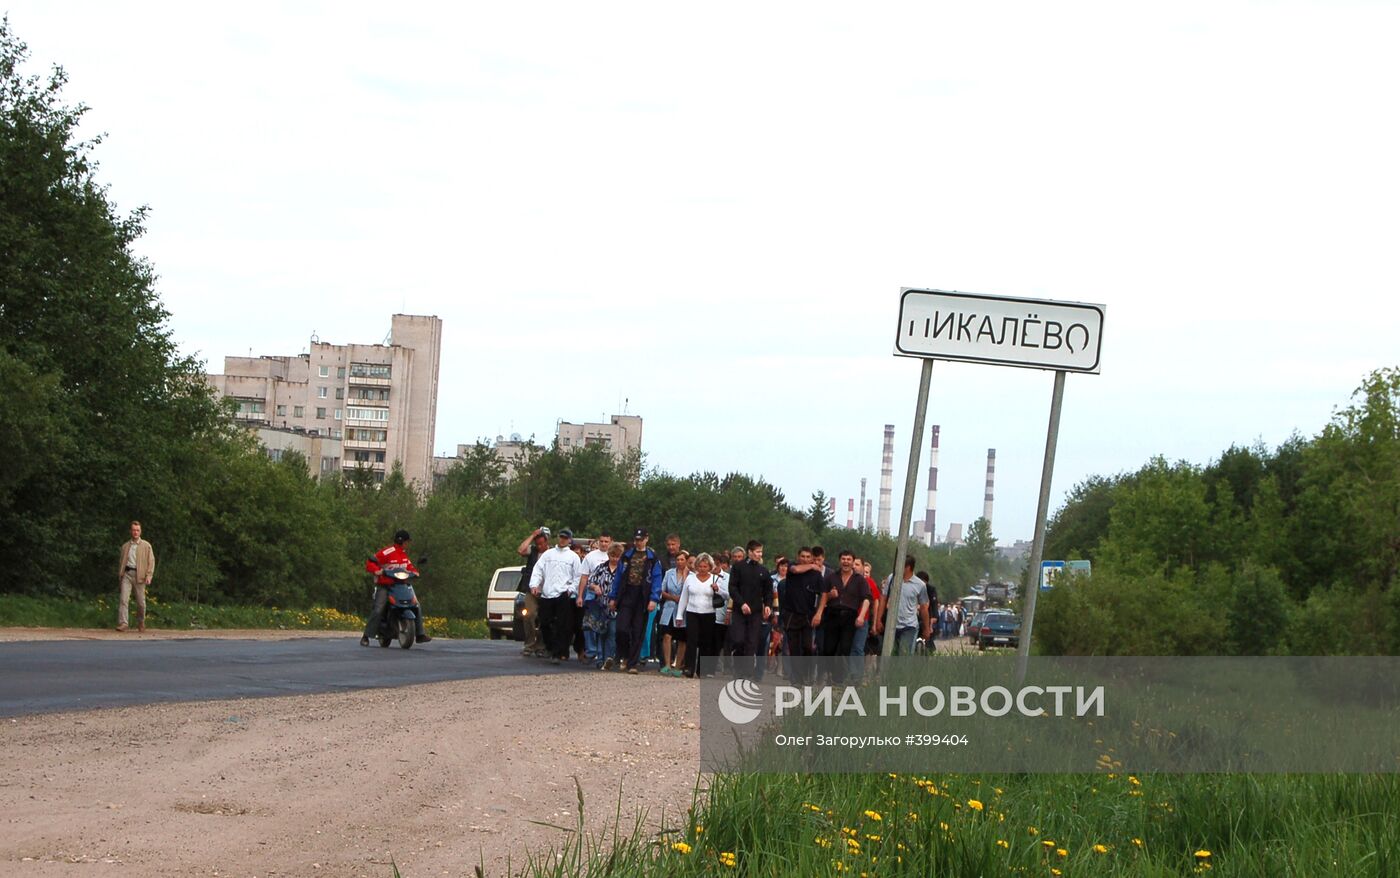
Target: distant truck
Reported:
[(997, 593)]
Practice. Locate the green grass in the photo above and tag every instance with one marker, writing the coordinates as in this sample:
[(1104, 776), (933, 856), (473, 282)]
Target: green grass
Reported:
[(30, 612), (816, 824)]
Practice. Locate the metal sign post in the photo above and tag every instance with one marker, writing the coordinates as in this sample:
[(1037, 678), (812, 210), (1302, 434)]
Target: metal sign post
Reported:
[(1002, 331), (906, 514)]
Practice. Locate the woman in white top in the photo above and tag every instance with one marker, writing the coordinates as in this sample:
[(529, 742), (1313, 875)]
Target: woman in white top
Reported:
[(696, 611)]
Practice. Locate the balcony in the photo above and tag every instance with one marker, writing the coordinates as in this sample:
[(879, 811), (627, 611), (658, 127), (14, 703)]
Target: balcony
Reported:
[(366, 381), (366, 444), (372, 465)]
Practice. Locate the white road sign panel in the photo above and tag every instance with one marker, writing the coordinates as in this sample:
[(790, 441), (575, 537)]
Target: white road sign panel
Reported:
[(999, 330)]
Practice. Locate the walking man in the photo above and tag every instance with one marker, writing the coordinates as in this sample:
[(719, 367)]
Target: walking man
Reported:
[(555, 583), (801, 591), (535, 545), (135, 568), (844, 607), (750, 591), (635, 592)]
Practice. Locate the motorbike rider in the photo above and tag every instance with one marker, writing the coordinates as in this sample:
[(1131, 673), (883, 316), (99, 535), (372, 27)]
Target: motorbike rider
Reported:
[(384, 561)]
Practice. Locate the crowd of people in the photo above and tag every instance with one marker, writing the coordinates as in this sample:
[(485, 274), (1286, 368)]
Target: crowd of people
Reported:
[(623, 607)]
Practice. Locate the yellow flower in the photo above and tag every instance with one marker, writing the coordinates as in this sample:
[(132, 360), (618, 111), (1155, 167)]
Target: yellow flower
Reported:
[(943, 826), (1032, 830), (873, 837), (1201, 854), (974, 804), (1056, 872), (810, 807), (728, 859), (874, 815), (838, 865), (1048, 843), (699, 830), (681, 847), (1003, 843), (1061, 852), (822, 842), (1203, 866), (1100, 849), (1137, 842), (1134, 781)]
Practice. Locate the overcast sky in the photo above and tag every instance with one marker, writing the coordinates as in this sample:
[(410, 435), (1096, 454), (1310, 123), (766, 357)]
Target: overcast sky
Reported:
[(708, 210)]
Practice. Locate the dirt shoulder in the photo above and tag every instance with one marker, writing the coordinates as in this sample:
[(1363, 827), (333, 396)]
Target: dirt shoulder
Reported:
[(16, 634), (434, 777)]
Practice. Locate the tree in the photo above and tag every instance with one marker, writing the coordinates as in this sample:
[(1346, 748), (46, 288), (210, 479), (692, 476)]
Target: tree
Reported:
[(981, 547), (81, 329), (819, 513)]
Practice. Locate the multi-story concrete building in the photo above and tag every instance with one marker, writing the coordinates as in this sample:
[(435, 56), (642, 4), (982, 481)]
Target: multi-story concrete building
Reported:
[(622, 435), (379, 401)]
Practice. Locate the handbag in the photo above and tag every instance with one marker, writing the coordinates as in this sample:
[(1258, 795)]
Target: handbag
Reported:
[(718, 599)]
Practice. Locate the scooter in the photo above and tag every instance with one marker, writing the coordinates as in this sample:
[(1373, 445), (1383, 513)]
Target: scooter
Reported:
[(400, 619)]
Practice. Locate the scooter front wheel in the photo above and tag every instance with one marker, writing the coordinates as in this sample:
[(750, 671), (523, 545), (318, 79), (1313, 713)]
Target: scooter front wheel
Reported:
[(406, 633)]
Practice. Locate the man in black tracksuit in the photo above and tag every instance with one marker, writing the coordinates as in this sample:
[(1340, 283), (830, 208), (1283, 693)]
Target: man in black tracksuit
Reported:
[(750, 595), (801, 591)]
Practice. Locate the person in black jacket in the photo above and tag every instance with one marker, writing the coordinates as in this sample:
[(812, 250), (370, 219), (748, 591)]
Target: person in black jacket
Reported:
[(801, 591), (750, 595)]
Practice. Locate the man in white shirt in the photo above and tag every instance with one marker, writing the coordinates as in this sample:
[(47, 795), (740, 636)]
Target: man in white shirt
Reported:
[(555, 581)]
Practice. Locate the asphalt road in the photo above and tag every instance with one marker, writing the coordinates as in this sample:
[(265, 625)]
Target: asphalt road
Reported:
[(55, 675)]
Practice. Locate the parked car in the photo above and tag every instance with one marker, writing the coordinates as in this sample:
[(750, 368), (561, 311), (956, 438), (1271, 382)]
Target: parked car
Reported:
[(974, 624), (501, 604), (998, 629)]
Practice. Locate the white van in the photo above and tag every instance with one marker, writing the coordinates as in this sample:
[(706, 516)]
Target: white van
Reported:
[(500, 603)]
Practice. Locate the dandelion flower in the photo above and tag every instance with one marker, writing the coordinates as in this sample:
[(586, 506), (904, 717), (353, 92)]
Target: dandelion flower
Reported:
[(1061, 852), (822, 842), (1201, 854), (1137, 842), (728, 859), (874, 815), (974, 804), (1003, 843), (1100, 848), (681, 847)]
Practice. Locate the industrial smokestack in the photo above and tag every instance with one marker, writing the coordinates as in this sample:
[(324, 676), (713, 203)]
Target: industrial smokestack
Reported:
[(931, 517), (863, 509), (850, 513), (991, 478), (868, 517), (886, 479), (831, 508)]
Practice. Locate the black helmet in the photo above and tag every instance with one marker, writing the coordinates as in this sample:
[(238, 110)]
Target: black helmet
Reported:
[(402, 536)]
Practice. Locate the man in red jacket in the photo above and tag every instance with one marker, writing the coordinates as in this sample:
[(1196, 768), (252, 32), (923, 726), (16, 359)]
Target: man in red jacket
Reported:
[(386, 559)]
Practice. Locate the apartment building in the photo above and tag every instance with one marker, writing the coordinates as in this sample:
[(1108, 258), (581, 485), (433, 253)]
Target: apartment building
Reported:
[(378, 401)]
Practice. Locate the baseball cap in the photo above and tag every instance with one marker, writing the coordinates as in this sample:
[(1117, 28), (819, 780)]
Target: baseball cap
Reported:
[(566, 533), (641, 532)]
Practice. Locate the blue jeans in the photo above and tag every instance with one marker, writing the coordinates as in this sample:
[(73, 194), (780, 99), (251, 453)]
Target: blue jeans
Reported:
[(600, 645), (904, 640), (858, 647)]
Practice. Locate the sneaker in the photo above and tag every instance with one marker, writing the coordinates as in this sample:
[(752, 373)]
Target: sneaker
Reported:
[(633, 671), (364, 641), (607, 664), (424, 638)]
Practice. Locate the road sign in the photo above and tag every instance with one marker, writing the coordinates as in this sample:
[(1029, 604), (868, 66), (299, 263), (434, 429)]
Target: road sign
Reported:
[(1049, 572), (999, 330)]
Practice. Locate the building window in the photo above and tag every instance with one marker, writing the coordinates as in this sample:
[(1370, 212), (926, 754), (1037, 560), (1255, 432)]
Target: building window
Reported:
[(320, 393), (340, 393), (340, 372), (329, 463), (274, 453), (378, 457), (320, 413), (337, 414), (335, 432), (367, 414), (281, 411), (368, 370), (325, 371), (299, 411)]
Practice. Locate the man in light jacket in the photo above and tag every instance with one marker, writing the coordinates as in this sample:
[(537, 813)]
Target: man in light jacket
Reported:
[(135, 567), (555, 581)]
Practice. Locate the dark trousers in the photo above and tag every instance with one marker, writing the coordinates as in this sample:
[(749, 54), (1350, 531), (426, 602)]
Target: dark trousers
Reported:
[(838, 632), (381, 606), (699, 638), (557, 624), (746, 634), (631, 630), (797, 638)]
